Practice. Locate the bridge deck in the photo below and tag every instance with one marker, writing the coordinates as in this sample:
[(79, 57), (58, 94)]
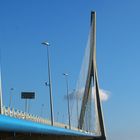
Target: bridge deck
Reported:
[(9, 125)]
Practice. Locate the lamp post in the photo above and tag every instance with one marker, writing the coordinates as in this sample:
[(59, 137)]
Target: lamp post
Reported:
[(76, 97), (11, 92), (42, 106), (1, 110), (50, 83), (67, 86)]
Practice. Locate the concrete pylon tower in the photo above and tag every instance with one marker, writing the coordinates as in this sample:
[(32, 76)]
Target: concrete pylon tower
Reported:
[(92, 75)]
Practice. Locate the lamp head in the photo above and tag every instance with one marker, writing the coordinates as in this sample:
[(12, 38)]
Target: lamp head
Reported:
[(65, 74), (46, 43)]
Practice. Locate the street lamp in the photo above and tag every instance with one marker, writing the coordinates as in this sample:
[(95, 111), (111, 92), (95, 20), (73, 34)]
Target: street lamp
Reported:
[(50, 83), (76, 98), (66, 78), (1, 110), (11, 92), (42, 106)]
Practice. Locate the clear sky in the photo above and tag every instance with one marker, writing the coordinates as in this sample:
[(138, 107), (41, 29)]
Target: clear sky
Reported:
[(65, 24)]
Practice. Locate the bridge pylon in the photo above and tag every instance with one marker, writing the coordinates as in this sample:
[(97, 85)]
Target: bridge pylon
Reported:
[(92, 76)]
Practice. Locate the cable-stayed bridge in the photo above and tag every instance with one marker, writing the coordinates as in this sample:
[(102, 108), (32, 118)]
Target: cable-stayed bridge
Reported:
[(87, 121)]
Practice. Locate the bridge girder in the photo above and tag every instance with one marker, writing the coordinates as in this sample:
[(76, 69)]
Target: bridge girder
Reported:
[(32, 136)]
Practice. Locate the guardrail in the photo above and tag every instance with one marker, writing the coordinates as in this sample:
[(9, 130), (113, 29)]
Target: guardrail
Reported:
[(22, 115), (15, 113)]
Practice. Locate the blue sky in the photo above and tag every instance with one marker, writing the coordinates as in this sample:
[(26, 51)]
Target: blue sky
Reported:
[(65, 24)]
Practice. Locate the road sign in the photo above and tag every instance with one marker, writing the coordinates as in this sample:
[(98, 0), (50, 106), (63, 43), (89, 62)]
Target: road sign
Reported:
[(27, 95)]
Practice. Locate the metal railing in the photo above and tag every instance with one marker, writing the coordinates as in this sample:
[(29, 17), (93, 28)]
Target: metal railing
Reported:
[(15, 113)]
